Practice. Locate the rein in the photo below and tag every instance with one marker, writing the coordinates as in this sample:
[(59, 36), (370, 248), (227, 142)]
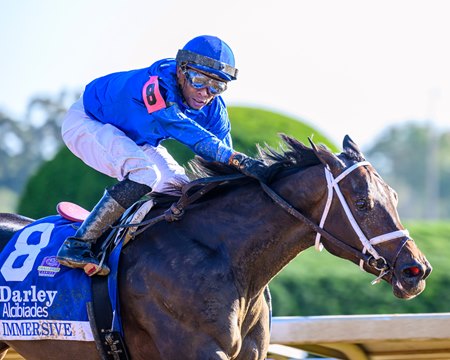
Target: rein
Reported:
[(297, 214), (176, 210), (374, 259)]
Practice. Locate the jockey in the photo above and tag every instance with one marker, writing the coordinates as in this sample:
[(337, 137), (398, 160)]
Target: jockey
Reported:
[(116, 127)]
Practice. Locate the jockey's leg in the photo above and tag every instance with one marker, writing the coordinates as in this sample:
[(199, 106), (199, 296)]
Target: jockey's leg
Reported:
[(76, 250), (108, 150)]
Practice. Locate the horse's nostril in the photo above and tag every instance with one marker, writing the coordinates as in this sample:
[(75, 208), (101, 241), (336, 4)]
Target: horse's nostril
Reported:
[(412, 271)]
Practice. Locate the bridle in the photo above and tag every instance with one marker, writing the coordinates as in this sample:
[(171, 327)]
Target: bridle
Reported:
[(373, 260)]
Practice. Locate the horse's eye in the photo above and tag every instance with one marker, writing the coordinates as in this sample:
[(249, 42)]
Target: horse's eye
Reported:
[(361, 204)]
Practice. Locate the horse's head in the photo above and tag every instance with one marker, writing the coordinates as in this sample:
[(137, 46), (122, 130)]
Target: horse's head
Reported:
[(363, 214), (342, 199)]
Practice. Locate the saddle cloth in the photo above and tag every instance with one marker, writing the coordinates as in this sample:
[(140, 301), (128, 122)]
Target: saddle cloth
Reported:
[(39, 298)]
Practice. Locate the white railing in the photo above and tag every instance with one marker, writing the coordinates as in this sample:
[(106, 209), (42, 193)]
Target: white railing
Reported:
[(358, 337), (363, 337)]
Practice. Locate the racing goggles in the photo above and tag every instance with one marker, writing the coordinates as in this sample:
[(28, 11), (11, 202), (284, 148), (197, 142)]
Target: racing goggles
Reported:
[(199, 80)]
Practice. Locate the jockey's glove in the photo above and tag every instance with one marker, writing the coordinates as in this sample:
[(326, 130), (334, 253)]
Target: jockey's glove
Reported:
[(249, 166)]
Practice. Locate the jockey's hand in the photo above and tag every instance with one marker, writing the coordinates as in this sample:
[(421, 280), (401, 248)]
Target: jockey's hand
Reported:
[(249, 166)]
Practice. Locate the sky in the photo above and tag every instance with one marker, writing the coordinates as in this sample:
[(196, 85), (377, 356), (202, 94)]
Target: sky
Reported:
[(345, 67)]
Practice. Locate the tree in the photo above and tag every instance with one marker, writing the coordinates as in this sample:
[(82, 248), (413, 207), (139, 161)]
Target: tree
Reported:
[(25, 144), (414, 159)]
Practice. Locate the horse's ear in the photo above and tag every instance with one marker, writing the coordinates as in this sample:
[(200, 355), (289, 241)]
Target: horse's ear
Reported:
[(326, 157), (349, 145)]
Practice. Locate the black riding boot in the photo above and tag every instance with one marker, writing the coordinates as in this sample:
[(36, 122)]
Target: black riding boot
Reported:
[(76, 250)]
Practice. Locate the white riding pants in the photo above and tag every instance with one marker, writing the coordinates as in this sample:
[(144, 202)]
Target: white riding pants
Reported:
[(108, 150)]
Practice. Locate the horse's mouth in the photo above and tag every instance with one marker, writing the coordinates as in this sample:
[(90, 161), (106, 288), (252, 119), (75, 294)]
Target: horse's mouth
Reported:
[(407, 291), (408, 279)]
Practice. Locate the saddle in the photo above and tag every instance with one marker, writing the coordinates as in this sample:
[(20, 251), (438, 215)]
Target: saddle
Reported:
[(71, 211)]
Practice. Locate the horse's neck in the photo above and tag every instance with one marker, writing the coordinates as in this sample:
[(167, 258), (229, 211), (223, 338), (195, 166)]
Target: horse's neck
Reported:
[(270, 237)]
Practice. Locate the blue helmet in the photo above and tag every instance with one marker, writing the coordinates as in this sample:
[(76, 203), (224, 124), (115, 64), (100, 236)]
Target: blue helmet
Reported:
[(210, 54)]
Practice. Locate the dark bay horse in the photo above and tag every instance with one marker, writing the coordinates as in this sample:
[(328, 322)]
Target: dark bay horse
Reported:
[(194, 288)]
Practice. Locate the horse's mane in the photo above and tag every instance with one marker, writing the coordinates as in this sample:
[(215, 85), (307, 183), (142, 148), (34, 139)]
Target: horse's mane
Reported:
[(297, 155), (293, 156)]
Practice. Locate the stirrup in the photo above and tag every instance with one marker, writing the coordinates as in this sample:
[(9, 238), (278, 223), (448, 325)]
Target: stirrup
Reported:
[(76, 253)]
